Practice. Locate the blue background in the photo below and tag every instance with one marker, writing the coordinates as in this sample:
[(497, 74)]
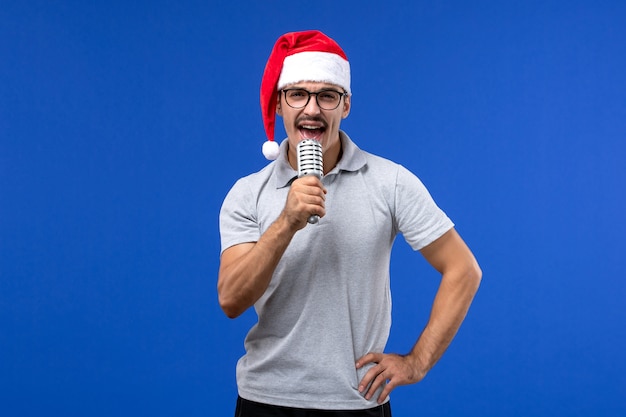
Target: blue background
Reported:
[(124, 124)]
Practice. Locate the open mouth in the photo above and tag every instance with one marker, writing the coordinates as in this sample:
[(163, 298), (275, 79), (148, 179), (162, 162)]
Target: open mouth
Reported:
[(309, 130)]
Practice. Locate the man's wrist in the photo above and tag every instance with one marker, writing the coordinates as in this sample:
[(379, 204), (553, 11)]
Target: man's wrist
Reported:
[(418, 363)]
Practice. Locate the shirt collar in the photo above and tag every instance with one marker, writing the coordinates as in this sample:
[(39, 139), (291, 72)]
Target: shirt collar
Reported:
[(352, 159)]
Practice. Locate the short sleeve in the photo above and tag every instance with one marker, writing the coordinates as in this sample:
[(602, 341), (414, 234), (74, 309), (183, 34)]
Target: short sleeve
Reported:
[(418, 217), (238, 216)]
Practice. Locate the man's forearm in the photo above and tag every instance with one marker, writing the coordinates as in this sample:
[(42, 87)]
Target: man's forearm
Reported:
[(453, 299), (245, 272)]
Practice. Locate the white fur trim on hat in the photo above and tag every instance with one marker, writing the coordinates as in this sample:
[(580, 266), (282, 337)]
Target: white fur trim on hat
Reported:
[(317, 67), (271, 150)]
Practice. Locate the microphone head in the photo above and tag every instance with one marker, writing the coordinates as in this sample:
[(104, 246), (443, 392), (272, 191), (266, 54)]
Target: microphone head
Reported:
[(309, 154), (310, 162)]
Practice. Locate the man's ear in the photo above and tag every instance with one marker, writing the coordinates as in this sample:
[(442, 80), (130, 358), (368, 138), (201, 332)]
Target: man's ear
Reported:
[(347, 103), (279, 109)]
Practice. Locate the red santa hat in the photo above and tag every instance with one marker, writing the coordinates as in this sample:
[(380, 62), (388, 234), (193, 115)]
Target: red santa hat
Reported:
[(296, 57)]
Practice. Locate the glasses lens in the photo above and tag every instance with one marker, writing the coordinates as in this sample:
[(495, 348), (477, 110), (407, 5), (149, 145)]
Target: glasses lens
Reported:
[(328, 100), (297, 98)]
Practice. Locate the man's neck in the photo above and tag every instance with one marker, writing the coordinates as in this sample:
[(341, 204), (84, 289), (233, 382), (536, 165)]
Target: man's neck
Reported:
[(332, 156)]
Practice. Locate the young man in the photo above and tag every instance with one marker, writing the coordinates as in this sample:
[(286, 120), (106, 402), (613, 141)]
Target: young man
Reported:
[(321, 291)]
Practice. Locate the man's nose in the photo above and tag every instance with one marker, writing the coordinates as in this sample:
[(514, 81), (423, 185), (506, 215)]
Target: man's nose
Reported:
[(312, 107)]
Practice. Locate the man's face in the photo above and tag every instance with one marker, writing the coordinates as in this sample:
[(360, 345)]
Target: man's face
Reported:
[(312, 122)]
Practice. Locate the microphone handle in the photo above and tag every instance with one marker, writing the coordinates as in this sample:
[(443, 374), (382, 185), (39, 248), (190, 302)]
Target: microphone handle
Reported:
[(313, 218)]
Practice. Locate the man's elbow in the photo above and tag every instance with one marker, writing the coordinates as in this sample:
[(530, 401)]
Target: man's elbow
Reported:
[(467, 277), (474, 276), (230, 307)]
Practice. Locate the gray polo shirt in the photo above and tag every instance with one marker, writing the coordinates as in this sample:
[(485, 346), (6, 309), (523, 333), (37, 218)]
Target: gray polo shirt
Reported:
[(329, 301)]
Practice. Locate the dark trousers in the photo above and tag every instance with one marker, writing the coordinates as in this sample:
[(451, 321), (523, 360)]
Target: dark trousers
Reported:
[(247, 408)]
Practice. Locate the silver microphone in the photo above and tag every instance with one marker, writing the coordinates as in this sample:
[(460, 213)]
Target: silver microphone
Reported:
[(310, 163)]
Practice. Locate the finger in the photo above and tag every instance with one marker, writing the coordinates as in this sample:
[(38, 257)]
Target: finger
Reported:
[(305, 199), (310, 197), (368, 358), (371, 373), (385, 392), (377, 383), (369, 377), (313, 206), (313, 199), (310, 182)]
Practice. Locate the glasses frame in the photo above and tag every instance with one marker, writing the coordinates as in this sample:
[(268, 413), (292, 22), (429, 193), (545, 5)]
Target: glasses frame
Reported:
[(341, 94)]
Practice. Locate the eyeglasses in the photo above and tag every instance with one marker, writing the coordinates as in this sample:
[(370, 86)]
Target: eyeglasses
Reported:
[(299, 98)]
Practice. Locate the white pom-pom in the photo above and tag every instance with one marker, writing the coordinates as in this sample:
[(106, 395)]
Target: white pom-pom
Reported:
[(271, 150)]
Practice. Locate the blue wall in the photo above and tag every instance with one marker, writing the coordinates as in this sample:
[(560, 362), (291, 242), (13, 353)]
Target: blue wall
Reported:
[(124, 124)]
